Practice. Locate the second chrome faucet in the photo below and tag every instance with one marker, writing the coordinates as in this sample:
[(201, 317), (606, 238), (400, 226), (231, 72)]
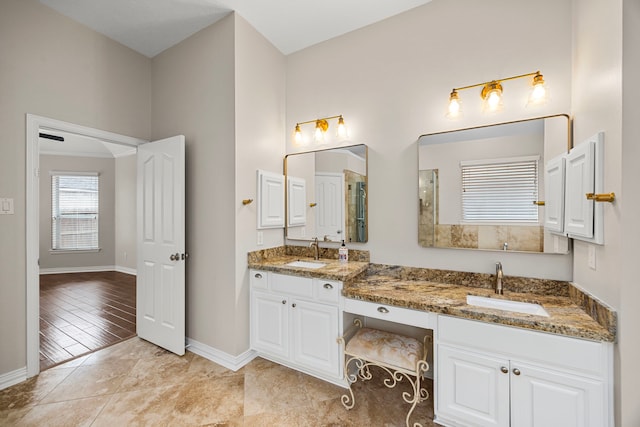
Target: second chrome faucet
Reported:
[(499, 276)]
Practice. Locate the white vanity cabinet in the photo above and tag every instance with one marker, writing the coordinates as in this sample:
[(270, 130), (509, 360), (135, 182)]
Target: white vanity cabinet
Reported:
[(491, 375), (295, 321)]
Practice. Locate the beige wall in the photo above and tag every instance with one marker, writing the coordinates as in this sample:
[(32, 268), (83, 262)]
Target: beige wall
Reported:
[(105, 167), (53, 67), (223, 88), (125, 214), (629, 315), (260, 115), (193, 95), (391, 81)]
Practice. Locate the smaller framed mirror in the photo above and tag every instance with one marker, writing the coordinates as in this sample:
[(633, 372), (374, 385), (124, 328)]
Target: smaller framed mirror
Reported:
[(326, 195), (484, 187)]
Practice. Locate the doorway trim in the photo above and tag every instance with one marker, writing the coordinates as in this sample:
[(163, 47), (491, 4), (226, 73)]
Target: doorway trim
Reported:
[(34, 125)]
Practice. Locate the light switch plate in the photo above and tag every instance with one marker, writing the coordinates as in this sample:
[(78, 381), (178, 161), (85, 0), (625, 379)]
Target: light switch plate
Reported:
[(6, 206)]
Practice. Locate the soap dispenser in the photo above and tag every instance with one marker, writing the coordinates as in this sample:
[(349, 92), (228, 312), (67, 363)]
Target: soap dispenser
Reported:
[(343, 253)]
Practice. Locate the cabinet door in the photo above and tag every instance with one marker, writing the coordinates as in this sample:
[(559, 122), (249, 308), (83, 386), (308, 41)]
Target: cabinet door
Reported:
[(270, 324), (580, 180), (554, 195), (472, 388), (270, 200), (315, 330), (545, 398), (296, 201)]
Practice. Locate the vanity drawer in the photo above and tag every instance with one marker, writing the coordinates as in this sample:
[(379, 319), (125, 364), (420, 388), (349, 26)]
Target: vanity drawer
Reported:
[(259, 279), (327, 290), (421, 319), (293, 285)]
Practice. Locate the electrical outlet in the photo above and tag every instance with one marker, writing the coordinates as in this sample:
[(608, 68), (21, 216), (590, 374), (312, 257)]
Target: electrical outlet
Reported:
[(260, 238), (591, 257)]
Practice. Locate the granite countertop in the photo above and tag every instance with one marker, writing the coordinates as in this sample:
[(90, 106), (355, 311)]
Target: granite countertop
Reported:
[(333, 270), (566, 317)]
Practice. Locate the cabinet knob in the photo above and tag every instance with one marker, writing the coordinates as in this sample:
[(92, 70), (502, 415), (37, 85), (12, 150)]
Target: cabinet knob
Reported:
[(328, 286), (384, 310), (504, 370), (516, 371), (293, 305), (258, 276), (284, 301)]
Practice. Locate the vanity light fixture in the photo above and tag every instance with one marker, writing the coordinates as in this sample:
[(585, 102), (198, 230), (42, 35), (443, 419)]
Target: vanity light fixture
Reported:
[(491, 94), (322, 125)]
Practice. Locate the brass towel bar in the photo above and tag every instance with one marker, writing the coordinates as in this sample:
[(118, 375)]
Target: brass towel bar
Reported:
[(607, 197)]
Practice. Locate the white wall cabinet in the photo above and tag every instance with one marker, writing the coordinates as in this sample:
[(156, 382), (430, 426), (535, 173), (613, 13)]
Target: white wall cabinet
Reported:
[(296, 201), (270, 200), (554, 173), (584, 219), (295, 321), (490, 375)]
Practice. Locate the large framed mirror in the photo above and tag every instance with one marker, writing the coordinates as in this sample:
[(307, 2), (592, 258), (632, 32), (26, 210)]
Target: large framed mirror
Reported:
[(483, 187), (326, 195)]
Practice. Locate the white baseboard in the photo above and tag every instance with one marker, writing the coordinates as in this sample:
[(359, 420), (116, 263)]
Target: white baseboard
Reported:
[(220, 357), (88, 269), (13, 377), (126, 270)]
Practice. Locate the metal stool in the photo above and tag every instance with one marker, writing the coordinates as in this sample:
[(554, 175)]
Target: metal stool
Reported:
[(400, 356)]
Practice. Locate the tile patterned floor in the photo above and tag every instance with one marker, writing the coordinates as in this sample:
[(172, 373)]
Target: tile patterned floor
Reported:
[(135, 383)]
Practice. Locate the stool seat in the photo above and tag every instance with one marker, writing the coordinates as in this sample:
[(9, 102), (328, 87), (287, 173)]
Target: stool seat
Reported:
[(386, 347)]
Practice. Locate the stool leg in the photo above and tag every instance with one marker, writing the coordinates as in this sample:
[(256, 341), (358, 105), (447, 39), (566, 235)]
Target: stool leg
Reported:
[(419, 394), (348, 400)]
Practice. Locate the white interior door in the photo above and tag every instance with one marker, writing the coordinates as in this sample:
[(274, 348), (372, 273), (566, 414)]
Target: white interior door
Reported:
[(161, 243), (330, 208)]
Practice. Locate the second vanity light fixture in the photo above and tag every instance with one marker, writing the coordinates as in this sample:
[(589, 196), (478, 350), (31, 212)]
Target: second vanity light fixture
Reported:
[(322, 125), (491, 94)]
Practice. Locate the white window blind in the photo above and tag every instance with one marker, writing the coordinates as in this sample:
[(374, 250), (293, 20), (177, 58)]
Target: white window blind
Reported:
[(74, 211), (501, 190)]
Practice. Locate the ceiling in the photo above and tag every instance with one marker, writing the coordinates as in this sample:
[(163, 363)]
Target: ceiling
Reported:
[(151, 26)]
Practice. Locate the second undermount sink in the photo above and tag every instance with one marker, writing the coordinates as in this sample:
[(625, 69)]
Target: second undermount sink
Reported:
[(306, 264), (507, 305)]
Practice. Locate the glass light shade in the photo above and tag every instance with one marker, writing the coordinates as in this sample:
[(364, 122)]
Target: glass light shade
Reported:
[(342, 129), (492, 96), (538, 92), (297, 136), (318, 136), (455, 107)]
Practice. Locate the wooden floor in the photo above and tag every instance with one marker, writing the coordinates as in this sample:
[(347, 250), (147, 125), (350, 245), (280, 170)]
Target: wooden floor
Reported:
[(84, 312)]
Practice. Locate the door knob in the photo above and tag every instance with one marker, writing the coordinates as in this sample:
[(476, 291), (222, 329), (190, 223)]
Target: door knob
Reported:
[(383, 310), (328, 286), (504, 370), (175, 257), (516, 371)]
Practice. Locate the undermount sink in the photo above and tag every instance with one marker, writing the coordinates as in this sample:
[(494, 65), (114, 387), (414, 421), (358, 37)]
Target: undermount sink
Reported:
[(507, 305), (306, 264)]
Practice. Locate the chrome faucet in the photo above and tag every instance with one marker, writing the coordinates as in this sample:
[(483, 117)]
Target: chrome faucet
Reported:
[(505, 246), (499, 276), (316, 248)]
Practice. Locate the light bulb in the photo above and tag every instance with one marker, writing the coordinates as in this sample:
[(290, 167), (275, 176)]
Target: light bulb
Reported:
[(493, 100)]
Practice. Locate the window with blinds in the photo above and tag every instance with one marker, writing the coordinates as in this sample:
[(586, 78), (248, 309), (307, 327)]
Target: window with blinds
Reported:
[(74, 211), (501, 190)]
